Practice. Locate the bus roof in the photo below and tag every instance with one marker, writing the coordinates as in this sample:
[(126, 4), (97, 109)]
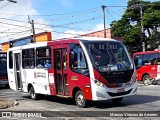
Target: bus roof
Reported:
[(76, 40), (29, 45), (60, 41), (95, 39), (147, 52)]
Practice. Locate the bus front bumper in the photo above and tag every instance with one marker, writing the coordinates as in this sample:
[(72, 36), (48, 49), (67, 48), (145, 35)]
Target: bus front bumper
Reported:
[(104, 93)]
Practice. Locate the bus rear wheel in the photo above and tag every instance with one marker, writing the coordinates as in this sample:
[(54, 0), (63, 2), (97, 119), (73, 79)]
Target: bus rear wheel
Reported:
[(33, 95), (79, 99), (117, 100)]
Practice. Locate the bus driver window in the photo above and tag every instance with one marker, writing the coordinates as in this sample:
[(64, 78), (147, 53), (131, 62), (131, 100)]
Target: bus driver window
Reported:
[(77, 59)]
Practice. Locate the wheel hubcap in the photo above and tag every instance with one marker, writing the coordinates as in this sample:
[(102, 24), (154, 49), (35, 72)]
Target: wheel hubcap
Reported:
[(32, 94), (80, 99)]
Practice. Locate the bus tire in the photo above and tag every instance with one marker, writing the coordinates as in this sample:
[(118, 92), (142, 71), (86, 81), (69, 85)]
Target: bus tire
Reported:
[(146, 79), (33, 95), (79, 99), (117, 100)]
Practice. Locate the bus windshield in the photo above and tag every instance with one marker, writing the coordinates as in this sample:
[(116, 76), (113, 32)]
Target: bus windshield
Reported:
[(109, 56)]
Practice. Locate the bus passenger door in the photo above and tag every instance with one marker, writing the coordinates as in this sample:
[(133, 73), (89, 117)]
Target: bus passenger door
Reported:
[(61, 74), (17, 65)]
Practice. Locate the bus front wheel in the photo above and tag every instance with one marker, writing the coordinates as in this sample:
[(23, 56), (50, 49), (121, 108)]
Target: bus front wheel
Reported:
[(33, 95), (79, 99), (146, 79), (117, 100)]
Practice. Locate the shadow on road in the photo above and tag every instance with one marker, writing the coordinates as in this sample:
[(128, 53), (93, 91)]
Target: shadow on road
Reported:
[(4, 87), (54, 99), (127, 101)]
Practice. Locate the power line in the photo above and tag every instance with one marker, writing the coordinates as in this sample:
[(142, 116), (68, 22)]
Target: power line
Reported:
[(117, 13), (61, 26), (85, 20), (6, 4), (14, 20), (73, 16), (16, 32), (111, 14), (12, 24), (20, 33), (60, 13), (14, 28), (52, 14)]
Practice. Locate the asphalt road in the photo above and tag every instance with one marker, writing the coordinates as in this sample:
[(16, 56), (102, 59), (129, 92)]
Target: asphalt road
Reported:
[(147, 99)]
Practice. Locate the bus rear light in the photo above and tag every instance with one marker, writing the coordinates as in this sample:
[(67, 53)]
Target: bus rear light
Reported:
[(99, 83)]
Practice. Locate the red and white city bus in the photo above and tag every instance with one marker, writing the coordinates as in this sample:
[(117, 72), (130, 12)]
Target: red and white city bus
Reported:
[(80, 68), (147, 65)]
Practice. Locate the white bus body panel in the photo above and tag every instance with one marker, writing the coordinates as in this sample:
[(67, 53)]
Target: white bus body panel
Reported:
[(38, 78), (40, 83)]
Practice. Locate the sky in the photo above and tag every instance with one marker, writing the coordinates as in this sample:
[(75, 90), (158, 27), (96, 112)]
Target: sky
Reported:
[(64, 18)]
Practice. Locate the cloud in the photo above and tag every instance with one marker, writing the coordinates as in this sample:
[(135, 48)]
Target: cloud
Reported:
[(98, 27), (66, 2), (11, 29)]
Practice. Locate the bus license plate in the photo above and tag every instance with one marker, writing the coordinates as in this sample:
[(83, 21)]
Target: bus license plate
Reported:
[(120, 90)]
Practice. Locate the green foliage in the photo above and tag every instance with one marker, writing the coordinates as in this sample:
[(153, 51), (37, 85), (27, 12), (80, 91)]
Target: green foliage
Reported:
[(129, 26)]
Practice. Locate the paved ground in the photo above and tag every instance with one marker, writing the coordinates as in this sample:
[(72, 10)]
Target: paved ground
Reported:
[(147, 99)]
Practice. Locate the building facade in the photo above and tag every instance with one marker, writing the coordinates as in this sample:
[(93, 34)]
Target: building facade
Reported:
[(45, 36)]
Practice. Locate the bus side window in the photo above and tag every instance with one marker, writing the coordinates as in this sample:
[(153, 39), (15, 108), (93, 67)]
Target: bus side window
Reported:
[(138, 60), (154, 59), (43, 57), (28, 58), (147, 59)]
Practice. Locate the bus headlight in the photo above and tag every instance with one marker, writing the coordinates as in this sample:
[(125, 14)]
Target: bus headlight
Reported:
[(97, 82), (133, 80)]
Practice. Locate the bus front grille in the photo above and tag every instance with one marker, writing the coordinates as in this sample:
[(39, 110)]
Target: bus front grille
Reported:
[(119, 80), (119, 94)]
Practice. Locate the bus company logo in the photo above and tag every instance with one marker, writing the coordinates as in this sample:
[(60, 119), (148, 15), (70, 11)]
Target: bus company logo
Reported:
[(35, 75), (74, 77)]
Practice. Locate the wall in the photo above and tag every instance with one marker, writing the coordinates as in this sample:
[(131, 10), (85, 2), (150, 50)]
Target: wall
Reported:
[(99, 34)]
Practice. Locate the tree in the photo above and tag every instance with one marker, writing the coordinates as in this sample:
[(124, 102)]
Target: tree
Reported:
[(129, 27)]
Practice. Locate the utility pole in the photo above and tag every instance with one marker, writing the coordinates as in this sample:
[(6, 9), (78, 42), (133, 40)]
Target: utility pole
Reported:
[(142, 27), (140, 6), (33, 29), (104, 20)]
